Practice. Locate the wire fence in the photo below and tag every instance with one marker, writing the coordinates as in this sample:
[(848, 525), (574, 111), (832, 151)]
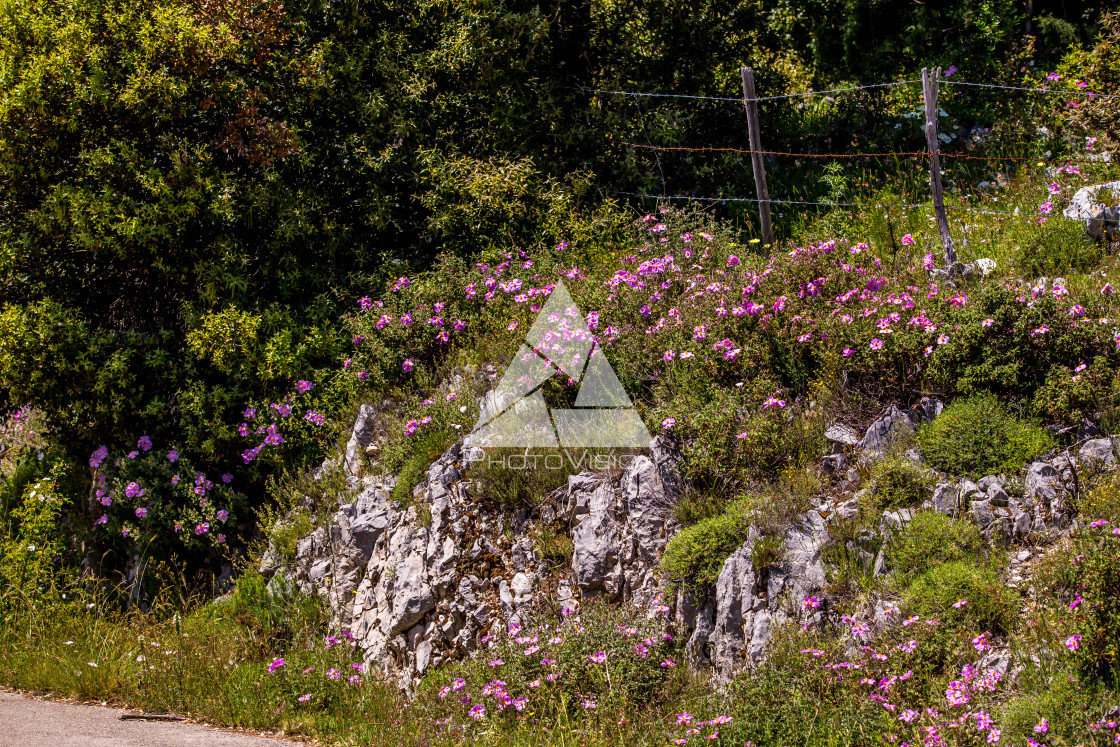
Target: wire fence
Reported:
[(882, 154), (925, 154), (905, 206), (740, 100)]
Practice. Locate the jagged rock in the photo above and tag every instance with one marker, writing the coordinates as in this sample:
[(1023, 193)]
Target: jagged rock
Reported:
[(1098, 451), (697, 646), (989, 481), (360, 437), (1099, 207), (736, 601), (418, 585), (985, 265), (596, 561), (839, 435), (834, 463), (982, 513), (926, 411), (894, 521), (970, 491), (747, 601), (848, 508), (884, 431), (945, 499), (996, 494), (1045, 490)]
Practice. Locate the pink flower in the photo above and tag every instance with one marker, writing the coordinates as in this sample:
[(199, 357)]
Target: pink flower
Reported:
[(599, 658), (732, 261), (993, 736), (1042, 726), (908, 240), (407, 365), (1073, 642), (276, 664), (848, 352), (987, 322), (668, 423), (876, 344), (960, 603)]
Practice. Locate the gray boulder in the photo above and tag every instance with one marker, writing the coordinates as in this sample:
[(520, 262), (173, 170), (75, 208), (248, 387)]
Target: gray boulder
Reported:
[(1098, 451), (881, 434), (946, 499), (361, 437), (1098, 207)]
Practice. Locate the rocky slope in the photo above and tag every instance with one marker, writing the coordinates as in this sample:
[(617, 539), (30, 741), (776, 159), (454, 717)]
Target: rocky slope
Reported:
[(421, 585)]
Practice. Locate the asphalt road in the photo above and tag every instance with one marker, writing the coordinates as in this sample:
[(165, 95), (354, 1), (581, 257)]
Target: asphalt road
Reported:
[(29, 722)]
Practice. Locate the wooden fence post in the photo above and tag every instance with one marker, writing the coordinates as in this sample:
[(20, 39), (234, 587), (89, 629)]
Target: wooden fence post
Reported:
[(750, 99), (929, 90)]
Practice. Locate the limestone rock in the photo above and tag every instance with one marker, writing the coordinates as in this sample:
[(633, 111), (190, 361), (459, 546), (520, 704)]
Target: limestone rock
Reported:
[(1099, 207), (1098, 451), (884, 431), (945, 499), (418, 585)]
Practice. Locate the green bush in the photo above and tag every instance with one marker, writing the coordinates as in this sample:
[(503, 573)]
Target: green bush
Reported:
[(929, 540), (695, 556), (990, 606), (977, 436), (898, 482)]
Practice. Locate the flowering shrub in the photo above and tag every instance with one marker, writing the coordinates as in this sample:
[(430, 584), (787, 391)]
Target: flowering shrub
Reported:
[(1084, 584), (603, 661), (895, 686), (32, 548), (966, 600), (155, 497)]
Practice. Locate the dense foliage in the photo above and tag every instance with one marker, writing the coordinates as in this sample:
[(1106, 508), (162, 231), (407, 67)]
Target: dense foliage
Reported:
[(977, 436)]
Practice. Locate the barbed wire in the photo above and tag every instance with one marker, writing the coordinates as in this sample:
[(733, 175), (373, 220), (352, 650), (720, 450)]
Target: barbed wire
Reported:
[(654, 95), (881, 206), (739, 99), (923, 153), (1091, 94)]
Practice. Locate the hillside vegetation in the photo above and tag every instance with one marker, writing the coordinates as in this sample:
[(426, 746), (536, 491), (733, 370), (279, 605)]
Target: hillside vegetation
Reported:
[(228, 226)]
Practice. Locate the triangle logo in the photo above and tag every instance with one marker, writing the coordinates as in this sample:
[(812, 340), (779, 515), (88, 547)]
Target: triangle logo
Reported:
[(514, 413)]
